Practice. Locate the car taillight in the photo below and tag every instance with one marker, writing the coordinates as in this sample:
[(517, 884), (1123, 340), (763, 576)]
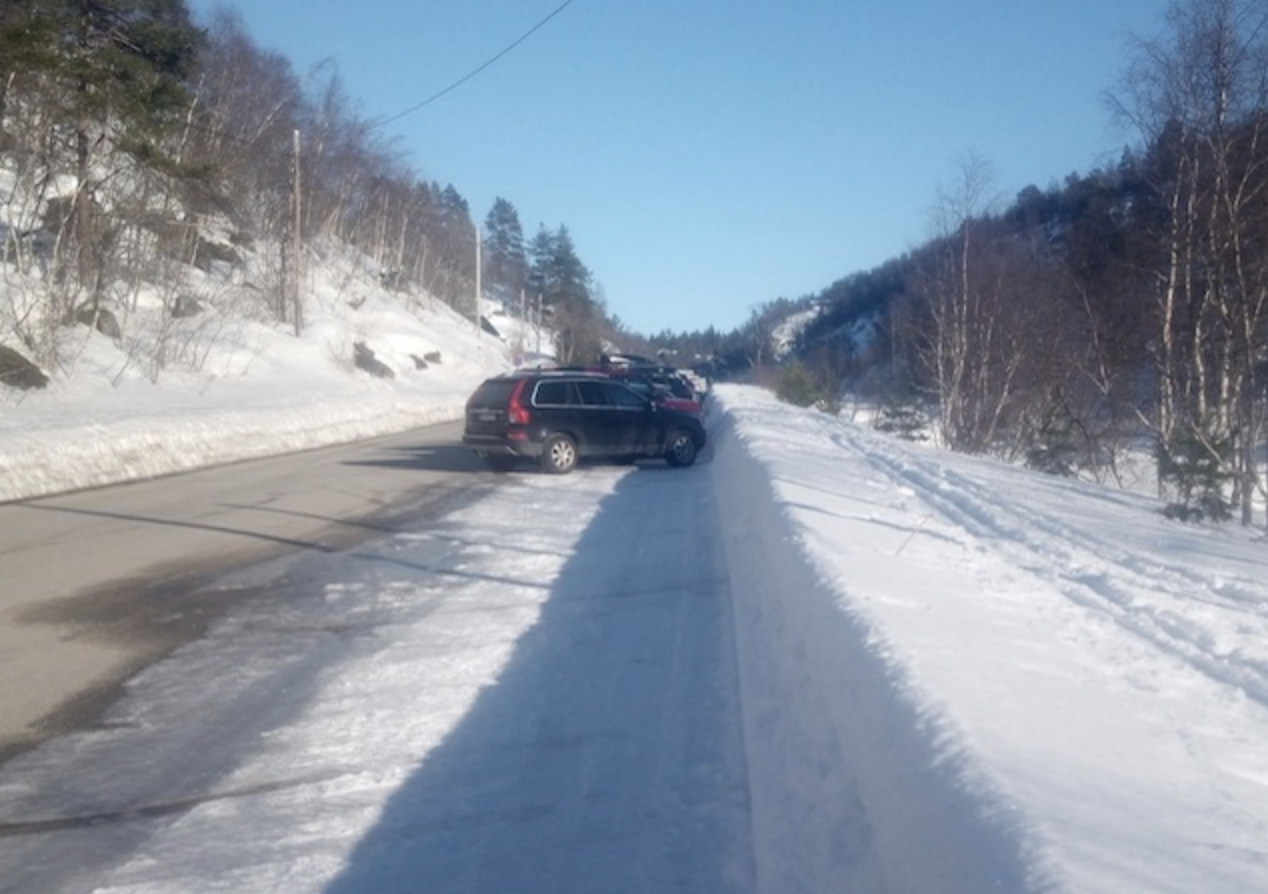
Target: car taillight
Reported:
[(516, 412)]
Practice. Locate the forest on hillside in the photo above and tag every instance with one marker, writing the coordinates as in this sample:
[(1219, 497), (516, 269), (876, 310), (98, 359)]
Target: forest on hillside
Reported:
[(1070, 326), (135, 143)]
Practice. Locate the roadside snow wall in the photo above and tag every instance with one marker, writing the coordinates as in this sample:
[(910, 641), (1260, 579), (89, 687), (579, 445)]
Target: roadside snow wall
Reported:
[(853, 789)]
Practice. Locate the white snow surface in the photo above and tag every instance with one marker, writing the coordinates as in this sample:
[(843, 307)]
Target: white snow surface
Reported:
[(953, 675)]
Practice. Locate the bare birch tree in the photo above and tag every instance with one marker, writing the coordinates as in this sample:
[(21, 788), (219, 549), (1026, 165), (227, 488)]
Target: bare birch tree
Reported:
[(972, 350), (1199, 96)]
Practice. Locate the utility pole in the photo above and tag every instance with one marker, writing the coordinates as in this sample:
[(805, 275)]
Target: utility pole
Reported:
[(296, 236), (479, 239), (288, 300)]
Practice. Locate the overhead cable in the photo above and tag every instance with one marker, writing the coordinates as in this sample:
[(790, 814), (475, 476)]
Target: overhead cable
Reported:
[(462, 80)]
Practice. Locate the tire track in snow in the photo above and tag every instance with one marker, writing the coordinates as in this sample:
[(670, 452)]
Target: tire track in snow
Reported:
[(1043, 545)]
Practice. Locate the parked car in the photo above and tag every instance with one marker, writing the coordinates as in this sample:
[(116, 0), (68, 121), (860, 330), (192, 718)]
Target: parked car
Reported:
[(662, 395), (665, 381), (558, 418)]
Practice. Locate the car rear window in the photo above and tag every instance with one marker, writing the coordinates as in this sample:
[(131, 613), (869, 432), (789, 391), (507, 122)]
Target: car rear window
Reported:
[(494, 393)]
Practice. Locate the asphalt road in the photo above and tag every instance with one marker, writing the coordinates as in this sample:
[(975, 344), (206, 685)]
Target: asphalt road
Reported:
[(98, 584)]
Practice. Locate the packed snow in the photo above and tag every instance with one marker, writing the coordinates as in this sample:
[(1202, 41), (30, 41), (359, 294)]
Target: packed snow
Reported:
[(947, 674)]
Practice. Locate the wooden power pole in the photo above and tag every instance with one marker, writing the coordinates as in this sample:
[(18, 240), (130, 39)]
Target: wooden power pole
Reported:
[(295, 248)]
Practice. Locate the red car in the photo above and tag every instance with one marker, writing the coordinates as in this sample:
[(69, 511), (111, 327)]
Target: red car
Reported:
[(661, 394), (664, 385)]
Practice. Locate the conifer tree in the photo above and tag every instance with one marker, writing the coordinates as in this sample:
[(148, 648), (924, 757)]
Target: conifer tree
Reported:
[(506, 266), (564, 284), (113, 71)]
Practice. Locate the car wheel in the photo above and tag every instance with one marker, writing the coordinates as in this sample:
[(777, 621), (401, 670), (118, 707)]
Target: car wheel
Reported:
[(680, 449), (559, 455)]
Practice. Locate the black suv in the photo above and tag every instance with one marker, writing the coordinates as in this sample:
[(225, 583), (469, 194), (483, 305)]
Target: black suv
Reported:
[(558, 418)]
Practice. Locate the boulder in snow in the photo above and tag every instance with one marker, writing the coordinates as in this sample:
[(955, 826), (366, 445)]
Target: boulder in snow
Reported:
[(18, 372), (365, 359)]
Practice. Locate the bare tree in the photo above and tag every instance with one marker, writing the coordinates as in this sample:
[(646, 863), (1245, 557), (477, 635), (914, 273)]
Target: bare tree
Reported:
[(1199, 96), (971, 351)]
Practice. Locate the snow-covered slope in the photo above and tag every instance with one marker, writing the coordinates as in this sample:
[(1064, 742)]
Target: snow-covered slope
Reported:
[(253, 389)]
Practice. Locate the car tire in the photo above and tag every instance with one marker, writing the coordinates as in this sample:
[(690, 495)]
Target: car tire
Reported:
[(680, 448), (559, 455)]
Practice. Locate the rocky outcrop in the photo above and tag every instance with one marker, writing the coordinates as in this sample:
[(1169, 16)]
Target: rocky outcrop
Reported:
[(18, 372)]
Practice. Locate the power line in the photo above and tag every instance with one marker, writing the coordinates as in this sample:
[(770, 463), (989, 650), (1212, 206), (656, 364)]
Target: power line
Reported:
[(462, 80)]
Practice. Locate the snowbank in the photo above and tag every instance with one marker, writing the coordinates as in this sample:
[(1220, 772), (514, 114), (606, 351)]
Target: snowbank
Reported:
[(262, 392), (849, 773)]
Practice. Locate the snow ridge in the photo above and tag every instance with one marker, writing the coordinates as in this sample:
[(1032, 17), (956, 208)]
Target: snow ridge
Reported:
[(818, 681)]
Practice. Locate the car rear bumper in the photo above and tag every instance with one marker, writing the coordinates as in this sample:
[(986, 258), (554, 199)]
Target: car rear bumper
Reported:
[(499, 446)]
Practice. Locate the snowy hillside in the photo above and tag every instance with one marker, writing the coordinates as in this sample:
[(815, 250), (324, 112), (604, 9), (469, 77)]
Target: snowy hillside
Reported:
[(254, 388), (784, 337)]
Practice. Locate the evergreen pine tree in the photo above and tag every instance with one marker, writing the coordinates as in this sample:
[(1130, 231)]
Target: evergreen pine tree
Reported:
[(564, 284), (505, 263), (1193, 467), (113, 70)]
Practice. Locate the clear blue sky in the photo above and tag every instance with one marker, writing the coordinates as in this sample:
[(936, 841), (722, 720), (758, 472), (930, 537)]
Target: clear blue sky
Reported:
[(708, 156)]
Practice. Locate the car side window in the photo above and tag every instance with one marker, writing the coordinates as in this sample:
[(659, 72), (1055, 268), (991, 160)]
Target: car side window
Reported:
[(552, 394), (624, 398), (593, 394), (639, 387)]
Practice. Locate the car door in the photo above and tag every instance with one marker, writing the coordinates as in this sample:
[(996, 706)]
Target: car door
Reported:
[(558, 408), (636, 425), (598, 421)]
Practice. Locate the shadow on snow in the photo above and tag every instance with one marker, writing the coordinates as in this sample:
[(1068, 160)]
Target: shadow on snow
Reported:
[(608, 755)]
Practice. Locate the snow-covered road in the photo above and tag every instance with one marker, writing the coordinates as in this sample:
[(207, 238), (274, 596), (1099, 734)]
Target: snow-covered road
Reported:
[(819, 660), (539, 693)]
